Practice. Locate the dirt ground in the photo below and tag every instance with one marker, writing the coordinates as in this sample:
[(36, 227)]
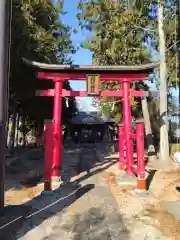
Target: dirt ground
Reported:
[(147, 216), (20, 168), (152, 215), (24, 172)]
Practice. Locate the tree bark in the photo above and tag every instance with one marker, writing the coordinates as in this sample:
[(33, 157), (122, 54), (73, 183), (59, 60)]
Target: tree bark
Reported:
[(9, 130), (5, 12), (16, 131), (148, 131), (12, 126), (164, 143), (23, 144)]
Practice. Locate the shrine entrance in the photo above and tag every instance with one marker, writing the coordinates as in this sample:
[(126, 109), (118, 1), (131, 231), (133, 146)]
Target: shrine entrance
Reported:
[(87, 127), (93, 75)]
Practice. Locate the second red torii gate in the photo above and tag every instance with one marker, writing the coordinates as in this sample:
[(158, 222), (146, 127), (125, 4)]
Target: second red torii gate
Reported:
[(59, 73)]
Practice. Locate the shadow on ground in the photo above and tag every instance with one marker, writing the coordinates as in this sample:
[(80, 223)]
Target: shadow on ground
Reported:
[(85, 158), (21, 164), (47, 206), (91, 225), (98, 229), (42, 206), (76, 160), (150, 177)]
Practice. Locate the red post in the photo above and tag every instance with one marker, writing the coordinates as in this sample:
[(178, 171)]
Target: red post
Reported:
[(127, 125), (121, 148), (48, 156), (140, 156), (57, 129)]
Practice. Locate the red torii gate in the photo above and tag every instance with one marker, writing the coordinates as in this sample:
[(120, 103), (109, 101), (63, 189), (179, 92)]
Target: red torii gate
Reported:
[(124, 74)]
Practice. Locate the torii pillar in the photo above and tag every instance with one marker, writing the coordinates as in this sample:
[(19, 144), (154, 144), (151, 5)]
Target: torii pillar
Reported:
[(59, 73), (57, 128)]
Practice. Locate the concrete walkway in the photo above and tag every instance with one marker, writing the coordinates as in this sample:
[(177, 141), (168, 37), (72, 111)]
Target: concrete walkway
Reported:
[(88, 212)]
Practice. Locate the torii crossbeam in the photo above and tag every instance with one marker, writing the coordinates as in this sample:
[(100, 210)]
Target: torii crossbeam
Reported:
[(59, 73)]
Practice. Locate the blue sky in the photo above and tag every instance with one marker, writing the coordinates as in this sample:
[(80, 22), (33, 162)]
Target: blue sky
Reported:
[(82, 56)]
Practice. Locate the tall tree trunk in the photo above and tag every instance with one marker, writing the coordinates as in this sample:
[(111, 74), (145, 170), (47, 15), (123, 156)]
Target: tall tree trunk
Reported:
[(23, 144), (8, 130), (12, 127), (16, 131), (7, 127), (148, 130), (164, 143), (20, 134)]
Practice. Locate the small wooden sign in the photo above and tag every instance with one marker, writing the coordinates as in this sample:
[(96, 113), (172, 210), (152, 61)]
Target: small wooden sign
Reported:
[(93, 84)]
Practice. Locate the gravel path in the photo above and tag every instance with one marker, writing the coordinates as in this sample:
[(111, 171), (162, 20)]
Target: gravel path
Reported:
[(74, 213), (93, 216)]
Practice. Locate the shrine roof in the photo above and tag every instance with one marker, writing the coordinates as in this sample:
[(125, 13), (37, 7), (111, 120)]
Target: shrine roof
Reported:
[(90, 69), (107, 119), (85, 118)]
